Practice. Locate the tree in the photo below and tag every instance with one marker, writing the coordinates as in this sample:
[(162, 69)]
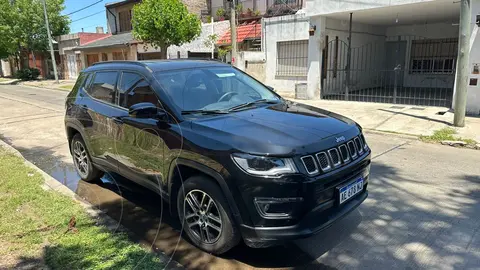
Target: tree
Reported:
[(23, 21), (164, 23)]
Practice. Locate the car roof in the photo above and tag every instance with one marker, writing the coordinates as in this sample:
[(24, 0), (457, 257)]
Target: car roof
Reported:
[(157, 65)]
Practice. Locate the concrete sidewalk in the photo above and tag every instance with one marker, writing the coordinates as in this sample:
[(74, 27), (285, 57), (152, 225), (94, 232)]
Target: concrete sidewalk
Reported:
[(406, 119)]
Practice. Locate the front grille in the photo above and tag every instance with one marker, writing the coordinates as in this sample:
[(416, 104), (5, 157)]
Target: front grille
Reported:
[(352, 150), (323, 161), (359, 145), (310, 165), (335, 157), (344, 153)]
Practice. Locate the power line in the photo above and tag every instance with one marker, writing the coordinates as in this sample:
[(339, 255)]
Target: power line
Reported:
[(83, 8), (88, 16)]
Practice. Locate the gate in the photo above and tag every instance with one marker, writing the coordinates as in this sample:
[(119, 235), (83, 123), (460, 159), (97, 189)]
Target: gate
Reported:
[(401, 70)]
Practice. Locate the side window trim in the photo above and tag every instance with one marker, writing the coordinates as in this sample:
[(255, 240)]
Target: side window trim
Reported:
[(133, 87), (114, 87)]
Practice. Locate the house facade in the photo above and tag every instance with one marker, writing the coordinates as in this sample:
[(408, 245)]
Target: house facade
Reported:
[(121, 45), (401, 52), (70, 58)]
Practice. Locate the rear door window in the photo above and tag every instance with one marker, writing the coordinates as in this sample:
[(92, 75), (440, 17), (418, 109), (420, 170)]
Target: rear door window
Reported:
[(103, 86)]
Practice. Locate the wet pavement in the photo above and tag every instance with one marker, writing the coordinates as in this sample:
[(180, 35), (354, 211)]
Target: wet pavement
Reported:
[(423, 210)]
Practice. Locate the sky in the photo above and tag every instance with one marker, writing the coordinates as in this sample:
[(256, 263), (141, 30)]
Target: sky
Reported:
[(89, 23)]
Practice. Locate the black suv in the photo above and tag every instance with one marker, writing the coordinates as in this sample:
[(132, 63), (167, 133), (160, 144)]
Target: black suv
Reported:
[(234, 160)]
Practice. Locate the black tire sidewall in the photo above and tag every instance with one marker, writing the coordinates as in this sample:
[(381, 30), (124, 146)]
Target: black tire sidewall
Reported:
[(230, 235)]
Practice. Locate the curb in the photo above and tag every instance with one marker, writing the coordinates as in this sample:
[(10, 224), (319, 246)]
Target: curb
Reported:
[(43, 88), (100, 217)]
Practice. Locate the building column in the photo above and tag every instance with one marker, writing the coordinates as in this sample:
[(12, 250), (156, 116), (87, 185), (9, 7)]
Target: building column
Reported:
[(315, 57), (473, 91)]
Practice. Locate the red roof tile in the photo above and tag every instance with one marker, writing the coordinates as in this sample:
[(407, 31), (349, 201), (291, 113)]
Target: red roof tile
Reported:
[(248, 31)]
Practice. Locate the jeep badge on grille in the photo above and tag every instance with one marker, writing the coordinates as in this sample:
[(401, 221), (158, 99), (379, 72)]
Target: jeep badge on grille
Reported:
[(340, 139)]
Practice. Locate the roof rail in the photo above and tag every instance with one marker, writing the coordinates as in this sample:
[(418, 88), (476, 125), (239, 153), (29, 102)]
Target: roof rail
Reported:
[(119, 62)]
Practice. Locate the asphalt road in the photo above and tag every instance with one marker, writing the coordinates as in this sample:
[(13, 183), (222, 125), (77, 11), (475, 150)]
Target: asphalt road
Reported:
[(423, 210)]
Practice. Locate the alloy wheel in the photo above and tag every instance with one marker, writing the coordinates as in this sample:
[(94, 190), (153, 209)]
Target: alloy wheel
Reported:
[(202, 217), (80, 159)]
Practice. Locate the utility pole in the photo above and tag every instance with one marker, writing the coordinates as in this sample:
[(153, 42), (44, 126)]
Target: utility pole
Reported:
[(463, 59), (52, 54), (233, 32)]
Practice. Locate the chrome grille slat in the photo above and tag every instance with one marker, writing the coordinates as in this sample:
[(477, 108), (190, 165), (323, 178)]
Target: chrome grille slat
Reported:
[(335, 157), (352, 149), (311, 169), (344, 152), (323, 161), (359, 145)]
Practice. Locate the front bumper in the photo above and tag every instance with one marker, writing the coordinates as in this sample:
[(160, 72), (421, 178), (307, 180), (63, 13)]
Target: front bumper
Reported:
[(320, 218), (319, 209)]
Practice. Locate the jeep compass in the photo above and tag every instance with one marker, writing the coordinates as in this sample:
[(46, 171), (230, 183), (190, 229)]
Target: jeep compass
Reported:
[(234, 160)]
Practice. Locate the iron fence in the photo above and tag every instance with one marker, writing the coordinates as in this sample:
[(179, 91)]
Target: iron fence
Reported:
[(402, 70)]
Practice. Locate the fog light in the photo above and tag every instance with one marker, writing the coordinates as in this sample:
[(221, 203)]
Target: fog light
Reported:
[(278, 208)]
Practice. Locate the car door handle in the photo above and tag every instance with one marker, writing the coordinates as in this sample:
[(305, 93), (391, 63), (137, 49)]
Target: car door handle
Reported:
[(118, 120)]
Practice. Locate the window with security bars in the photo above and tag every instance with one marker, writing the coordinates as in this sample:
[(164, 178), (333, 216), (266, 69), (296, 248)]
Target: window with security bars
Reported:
[(433, 56), (292, 58)]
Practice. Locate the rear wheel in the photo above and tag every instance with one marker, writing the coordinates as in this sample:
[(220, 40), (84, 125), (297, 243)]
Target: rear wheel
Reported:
[(205, 215), (82, 161)]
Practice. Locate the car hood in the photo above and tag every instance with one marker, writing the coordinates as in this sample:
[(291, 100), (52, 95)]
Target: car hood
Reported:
[(281, 129)]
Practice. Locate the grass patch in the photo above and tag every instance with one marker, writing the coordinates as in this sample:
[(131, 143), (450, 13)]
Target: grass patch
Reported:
[(5, 79), (33, 223), (67, 87), (446, 134)]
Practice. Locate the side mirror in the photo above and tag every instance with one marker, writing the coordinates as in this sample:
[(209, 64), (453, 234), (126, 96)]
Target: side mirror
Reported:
[(271, 88), (143, 110)]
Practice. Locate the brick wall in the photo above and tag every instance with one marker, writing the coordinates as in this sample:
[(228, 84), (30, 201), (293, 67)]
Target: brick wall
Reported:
[(89, 37)]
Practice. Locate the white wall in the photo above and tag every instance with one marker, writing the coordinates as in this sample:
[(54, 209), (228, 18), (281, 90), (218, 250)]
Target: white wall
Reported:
[(473, 92), (283, 28), (320, 7), (418, 32)]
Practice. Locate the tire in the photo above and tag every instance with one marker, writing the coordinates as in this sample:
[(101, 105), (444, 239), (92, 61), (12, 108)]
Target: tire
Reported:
[(87, 171), (228, 236)]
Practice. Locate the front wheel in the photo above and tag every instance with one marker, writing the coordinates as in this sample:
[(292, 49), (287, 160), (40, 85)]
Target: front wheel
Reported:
[(82, 161), (205, 216)]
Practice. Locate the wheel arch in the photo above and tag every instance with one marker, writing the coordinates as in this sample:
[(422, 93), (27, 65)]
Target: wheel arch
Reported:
[(176, 177)]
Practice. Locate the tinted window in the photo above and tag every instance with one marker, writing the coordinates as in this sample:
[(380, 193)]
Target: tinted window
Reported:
[(103, 86), (215, 88), (134, 89)]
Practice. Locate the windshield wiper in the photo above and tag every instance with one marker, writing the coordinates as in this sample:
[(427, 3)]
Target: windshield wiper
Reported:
[(244, 105), (204, 112)]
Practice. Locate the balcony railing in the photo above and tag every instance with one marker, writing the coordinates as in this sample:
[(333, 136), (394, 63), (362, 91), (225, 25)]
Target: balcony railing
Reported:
[(283, 7)]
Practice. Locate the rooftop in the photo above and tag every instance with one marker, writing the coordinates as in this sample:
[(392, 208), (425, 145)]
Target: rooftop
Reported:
[(244, 32), (160, 65), (114, 40)]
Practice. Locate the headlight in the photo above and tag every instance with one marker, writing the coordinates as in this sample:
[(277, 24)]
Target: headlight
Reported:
[(264, 166)]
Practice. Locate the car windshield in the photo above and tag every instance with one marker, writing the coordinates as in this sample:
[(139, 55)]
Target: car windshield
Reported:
[(213, 89)]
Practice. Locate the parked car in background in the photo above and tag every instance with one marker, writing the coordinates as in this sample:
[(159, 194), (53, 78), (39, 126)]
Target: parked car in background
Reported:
[(234, 160)]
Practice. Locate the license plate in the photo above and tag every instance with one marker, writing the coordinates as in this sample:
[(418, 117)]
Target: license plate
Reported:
[(350, 190)]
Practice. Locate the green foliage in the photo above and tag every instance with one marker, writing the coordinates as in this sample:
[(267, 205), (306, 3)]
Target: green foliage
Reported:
[(222, 52), (27, 74), (22, 25), (211, 40), (256, 13), (33, 224), (220, 12), (239, 8), (164, 23), (446, 134)]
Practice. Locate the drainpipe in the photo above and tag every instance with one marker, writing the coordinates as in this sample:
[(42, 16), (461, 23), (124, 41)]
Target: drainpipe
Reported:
[(115, 17), (349, 56)]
